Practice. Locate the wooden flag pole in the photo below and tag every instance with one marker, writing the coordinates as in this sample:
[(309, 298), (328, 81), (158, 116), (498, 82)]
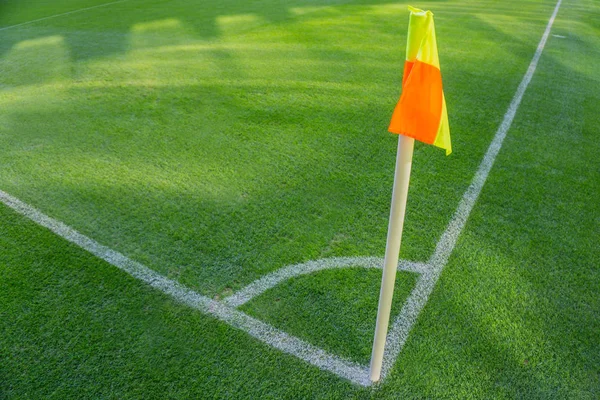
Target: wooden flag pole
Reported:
[(392, 250)]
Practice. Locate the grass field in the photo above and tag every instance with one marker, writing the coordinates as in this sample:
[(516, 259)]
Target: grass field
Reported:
[(218, 141)]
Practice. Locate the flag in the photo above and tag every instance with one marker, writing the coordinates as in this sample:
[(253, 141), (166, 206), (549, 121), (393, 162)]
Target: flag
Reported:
[(421, 111)]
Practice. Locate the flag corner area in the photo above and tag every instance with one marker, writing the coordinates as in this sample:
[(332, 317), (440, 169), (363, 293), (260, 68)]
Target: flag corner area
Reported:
[(421, 111)]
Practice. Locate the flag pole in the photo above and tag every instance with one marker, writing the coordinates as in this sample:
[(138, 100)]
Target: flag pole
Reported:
[(392, 251)]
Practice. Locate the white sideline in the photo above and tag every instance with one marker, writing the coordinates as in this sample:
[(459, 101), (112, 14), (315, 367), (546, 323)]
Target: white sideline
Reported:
[(62, 14), (429, 273)]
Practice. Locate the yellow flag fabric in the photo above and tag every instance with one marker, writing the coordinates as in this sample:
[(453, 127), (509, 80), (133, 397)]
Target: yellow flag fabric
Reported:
[(421, 111)]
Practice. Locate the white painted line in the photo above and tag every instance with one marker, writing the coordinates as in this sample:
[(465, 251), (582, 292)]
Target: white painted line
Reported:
[(258, 329), (408, 315), (411, 266), (60, 15), (400, 330), (275, 278)]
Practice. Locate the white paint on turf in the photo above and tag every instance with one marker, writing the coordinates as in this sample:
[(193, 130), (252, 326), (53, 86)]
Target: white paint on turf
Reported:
[(225, 311), (275, 278)]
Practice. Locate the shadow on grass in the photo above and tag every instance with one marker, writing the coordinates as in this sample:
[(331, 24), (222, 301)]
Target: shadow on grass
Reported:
[(107, 33), (268, 162)]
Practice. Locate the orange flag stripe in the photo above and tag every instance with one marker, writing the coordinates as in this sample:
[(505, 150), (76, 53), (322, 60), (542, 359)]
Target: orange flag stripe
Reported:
[(419, 110)]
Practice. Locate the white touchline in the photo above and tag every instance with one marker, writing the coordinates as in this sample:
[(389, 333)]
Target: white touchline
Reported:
[(62, 14), (226, 311)]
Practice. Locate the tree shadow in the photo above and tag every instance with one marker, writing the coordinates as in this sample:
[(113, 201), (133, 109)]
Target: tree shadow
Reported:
[(107, 32), (297, 126)]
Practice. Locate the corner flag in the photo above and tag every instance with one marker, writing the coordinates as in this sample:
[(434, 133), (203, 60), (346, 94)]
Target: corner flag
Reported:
[(420, 114), (421, 111)]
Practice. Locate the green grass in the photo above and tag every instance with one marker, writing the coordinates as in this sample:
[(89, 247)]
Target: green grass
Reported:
[(220, 141), (333, 309), (217, 159), (73, 326)]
